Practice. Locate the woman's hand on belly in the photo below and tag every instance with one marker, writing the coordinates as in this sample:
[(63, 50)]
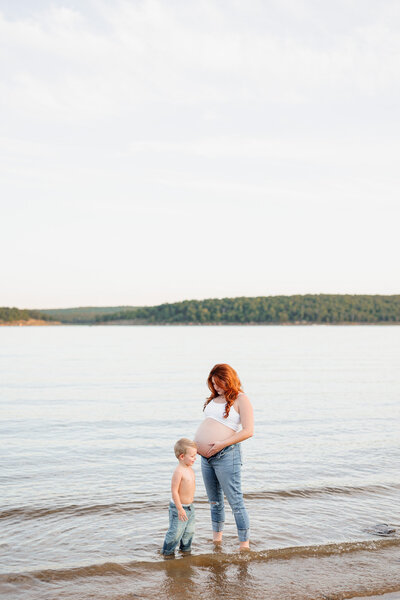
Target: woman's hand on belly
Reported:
[(214, 448), (206, 435)]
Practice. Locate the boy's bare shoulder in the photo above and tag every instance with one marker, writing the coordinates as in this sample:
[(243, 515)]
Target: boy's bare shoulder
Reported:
[(183, 471), (178, 470)]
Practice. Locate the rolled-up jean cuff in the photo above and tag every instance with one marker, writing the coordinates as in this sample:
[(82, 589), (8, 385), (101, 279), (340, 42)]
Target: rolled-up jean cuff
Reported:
[(243, 535), (217, 526)]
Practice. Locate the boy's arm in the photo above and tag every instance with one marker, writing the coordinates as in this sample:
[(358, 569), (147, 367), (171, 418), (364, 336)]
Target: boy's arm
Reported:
[(175, 482)]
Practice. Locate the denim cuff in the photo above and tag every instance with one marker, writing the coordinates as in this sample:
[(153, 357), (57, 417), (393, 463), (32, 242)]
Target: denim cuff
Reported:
[(217, 526), (243, 535)]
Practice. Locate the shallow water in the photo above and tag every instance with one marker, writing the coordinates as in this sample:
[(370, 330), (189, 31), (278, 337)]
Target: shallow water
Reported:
[(89, 416)]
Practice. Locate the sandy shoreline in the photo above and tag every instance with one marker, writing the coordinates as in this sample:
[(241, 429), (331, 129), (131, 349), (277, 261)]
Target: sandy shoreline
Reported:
[(30, 323)]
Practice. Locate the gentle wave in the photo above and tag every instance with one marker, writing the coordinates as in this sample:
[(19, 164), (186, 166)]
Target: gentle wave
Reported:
[(322, 491), (201, 560), (31, 512), (28, 512)]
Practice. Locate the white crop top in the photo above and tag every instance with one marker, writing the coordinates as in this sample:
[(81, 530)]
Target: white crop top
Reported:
[(215, 410)]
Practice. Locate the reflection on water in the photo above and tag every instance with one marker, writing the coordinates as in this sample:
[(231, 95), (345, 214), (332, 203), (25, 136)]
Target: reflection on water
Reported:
[(179, 581)]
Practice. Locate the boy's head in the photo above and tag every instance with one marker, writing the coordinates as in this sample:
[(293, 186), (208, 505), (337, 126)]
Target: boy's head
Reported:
[(185, 450)]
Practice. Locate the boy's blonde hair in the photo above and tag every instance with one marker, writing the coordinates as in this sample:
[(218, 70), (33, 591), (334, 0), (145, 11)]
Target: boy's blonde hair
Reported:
[(182, 445)]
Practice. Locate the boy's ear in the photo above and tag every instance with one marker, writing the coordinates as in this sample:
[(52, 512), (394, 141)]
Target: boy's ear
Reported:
[(181, 456)]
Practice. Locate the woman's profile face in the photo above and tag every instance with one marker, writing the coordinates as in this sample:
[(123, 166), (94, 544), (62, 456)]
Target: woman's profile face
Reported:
[(217, 386)]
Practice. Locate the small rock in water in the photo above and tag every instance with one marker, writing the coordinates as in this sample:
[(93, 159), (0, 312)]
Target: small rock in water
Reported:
[(383, 529)]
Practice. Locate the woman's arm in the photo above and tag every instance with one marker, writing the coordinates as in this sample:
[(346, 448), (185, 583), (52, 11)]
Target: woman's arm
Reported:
[(247, 420)]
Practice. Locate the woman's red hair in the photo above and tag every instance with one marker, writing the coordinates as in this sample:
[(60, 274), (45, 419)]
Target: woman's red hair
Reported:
[(228, 380)]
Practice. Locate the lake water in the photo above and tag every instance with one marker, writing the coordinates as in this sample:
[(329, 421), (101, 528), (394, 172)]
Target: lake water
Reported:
[(88, 420)]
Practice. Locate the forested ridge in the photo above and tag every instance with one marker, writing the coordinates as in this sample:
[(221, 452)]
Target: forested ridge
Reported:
[(310, 308), (318, 308)]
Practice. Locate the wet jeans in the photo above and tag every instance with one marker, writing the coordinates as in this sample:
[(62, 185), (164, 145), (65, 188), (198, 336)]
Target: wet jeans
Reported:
[(179, 532), (222, 475)]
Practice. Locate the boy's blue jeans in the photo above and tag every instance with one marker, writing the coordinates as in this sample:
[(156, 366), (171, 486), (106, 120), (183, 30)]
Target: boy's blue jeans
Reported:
[(222, 475), (179, 532)]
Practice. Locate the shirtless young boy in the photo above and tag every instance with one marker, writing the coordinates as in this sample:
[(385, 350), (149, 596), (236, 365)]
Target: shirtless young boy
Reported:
[(181, 509)]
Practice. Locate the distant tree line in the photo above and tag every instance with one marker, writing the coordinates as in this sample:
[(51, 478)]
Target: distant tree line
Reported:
[(317, 308), (321, 308), (9, 315), (85, 314)]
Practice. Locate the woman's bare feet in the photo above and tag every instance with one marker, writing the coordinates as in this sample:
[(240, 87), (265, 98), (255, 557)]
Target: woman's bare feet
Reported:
[(244, 545), (217, 537)]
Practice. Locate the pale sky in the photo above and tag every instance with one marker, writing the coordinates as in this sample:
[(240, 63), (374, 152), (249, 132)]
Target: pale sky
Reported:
[(154, 151)]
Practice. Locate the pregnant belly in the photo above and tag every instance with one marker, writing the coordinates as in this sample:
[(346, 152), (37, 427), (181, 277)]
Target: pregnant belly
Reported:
[(211, 431)]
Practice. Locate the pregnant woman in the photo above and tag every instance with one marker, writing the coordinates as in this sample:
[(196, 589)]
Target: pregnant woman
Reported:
[(228, 420)]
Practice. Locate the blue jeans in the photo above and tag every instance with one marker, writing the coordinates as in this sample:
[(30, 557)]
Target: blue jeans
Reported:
[(179, 532), (221, 475)]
